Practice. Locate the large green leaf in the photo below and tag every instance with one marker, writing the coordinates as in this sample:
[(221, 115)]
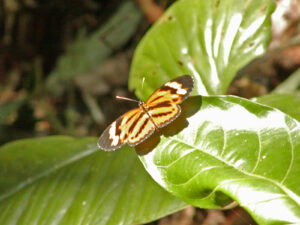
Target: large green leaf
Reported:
[(235, 149), (210, 40), (287, 103), (63, 180)]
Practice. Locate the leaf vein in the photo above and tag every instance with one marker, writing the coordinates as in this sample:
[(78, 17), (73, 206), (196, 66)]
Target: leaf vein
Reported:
[(240, 170), (292, 156)]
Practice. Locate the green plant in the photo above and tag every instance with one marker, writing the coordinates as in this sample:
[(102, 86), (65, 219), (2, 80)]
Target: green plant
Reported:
[(230, 149)]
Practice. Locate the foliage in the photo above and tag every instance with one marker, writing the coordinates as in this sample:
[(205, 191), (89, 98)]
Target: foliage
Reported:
[(227, 148), (88, 52), (210, 40), (227, 151), (63, 180)]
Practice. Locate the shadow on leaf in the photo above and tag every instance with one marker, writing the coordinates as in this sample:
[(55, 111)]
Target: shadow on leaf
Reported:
[(188, 108)]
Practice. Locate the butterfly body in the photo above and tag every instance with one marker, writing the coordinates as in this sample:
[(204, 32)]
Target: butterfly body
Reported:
[(159, 110), (145, 109)]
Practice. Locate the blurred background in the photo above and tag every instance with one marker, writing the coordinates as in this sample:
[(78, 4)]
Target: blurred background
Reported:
[(63, 62)]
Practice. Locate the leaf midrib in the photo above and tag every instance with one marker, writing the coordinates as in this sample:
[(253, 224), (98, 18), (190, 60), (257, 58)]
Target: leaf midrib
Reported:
[(53, 169), (282, 187)]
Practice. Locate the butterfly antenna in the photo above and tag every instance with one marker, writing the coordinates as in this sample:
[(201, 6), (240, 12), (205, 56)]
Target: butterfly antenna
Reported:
[(127, 99)]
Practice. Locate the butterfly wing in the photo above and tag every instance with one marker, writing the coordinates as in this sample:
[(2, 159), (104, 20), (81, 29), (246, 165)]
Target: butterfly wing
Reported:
[(135, 126), (132, 128), (163, 104)]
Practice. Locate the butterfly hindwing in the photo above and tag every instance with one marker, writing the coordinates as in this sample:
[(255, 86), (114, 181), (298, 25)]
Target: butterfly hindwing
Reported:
[(163, 104), (176, 90), (162, 116), (138, 124)]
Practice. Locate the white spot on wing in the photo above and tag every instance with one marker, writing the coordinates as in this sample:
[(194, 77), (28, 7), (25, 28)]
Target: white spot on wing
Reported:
[(112, 134), (176, 86)]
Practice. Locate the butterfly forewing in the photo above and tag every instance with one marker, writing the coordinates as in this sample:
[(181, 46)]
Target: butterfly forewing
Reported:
[(132, 128), (160, 109), (140, 129)]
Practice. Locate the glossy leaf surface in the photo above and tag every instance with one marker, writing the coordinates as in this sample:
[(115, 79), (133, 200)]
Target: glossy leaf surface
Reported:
[(210, 40), (287, 103), (233, 148), (63, 180)]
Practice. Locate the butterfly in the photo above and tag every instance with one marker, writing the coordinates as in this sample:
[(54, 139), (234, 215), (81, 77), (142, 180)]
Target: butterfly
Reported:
[(136, 125)]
